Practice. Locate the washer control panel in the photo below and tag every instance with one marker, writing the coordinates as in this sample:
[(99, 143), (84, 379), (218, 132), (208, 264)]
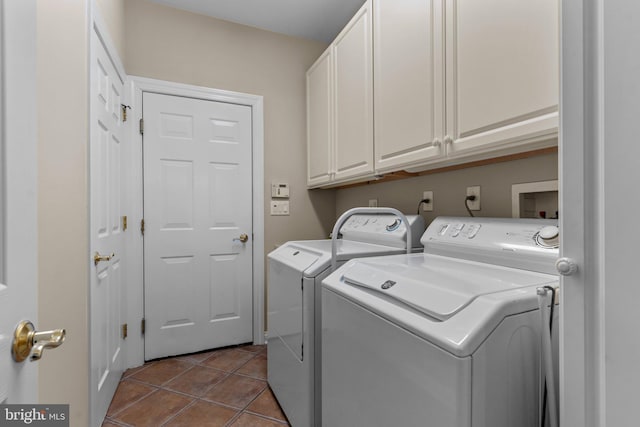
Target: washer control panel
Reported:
[(503, 240)]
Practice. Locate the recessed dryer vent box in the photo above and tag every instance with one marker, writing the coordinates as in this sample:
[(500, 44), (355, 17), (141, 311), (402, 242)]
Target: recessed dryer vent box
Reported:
[(535, 200)]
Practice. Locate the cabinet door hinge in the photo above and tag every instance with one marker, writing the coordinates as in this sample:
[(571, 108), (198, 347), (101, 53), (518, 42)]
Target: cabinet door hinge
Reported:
[(124, 330), (142, 226), (141, 126), (124, 223), (143, 326)]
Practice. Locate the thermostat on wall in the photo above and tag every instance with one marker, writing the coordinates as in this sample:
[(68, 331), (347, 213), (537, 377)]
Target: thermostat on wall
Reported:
[(280, 189)]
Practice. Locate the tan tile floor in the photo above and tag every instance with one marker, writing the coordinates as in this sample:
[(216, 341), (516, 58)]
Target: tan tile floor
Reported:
[(218, 388)]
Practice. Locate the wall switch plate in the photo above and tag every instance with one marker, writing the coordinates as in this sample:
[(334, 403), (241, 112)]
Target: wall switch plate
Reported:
[(373, 203), (279, 207), (474, 205), (427, 206), (280, 189)]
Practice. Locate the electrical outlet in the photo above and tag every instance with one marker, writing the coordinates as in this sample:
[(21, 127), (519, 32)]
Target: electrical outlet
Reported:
[(474, 205), (373, 203), (427, 206)]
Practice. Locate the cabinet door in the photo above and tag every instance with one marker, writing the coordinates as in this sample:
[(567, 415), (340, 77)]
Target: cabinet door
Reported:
[(408, 82), (353, 98), (502, 75), (319, 112)]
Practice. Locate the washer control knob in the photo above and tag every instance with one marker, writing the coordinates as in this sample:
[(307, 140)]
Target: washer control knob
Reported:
[(566, 266), (549, 232), (394, 225)]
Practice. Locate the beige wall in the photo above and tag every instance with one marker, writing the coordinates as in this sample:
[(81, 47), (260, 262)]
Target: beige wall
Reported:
[(62, 84), (450, 188), (168, 44), (112, 12)]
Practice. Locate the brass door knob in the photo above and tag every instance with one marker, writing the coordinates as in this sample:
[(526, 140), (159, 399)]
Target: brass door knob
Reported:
[(27, 341), (243, 238), (97, 257)]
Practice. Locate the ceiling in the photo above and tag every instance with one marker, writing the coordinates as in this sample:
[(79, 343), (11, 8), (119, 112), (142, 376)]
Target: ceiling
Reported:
[(319, 20)]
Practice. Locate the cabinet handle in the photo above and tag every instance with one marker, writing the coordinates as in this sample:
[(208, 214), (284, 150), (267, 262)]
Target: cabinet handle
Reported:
[(437, 143), (448, 140)]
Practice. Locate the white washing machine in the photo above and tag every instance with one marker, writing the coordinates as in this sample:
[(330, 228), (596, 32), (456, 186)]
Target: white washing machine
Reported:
[(446, 338), (295, 272)]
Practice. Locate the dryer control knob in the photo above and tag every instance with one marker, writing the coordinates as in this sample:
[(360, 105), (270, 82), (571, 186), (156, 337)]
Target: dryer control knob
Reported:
[(566, 266), (549, 232)]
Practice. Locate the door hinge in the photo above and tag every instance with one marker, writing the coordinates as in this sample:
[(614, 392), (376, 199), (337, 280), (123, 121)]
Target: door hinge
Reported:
[(124, 111), (124, 223), (124, 331), (142, 226), (141, 126), (143, 326)]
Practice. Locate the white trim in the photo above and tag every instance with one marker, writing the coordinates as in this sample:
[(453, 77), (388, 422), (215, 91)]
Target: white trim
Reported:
[(137, 86), (580, 370)]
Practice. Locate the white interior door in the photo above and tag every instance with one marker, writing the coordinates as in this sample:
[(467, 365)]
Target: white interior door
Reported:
[(106, 152), (197, 205), (18, 193)]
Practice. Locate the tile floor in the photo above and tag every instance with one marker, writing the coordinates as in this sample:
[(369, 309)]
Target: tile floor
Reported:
[(224, 387)]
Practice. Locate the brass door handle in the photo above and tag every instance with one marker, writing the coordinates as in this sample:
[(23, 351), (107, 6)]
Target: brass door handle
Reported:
[(243, 238), (97, 257), (27, 341)]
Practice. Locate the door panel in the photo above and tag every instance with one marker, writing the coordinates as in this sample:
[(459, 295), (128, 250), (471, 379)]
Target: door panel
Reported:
[(197, 202), (106, 169), (18, 194)]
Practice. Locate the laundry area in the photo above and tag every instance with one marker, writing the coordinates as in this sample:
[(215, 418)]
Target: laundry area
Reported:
[(322, 213)]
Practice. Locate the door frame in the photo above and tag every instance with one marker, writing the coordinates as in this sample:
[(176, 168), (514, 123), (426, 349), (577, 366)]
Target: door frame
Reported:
[(135, 294)]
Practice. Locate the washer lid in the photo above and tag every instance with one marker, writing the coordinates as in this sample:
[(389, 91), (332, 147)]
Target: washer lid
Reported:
[(437, 286), (312, 257)]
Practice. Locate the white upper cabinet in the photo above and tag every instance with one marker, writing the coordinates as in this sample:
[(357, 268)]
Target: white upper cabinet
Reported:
[(353, 98), (502, 75), (453, 81), (408, 82), (319, 112), (340, 107)]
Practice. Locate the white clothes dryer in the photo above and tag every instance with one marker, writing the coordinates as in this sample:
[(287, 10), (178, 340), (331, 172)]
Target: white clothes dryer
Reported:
[(449, 337), (294, 315)]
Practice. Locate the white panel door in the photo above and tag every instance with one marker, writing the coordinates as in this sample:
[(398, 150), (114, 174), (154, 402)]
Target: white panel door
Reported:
[(197, 205), (18, 194), (106, 169)]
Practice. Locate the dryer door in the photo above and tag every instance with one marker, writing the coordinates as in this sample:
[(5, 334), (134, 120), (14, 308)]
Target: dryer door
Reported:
[(285, 313)]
